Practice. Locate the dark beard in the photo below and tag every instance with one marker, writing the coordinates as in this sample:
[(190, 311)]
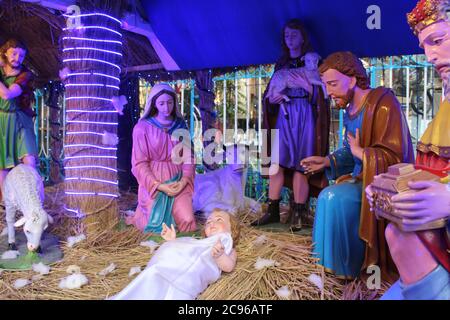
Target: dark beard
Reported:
[(347, 99)]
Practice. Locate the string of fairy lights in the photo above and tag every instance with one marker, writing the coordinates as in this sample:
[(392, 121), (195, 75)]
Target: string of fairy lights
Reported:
[(76, 42)]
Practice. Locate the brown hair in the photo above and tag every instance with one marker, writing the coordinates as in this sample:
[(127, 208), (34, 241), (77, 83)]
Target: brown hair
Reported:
[(235, 226), (297, 25), (349, 64), (12, 43)]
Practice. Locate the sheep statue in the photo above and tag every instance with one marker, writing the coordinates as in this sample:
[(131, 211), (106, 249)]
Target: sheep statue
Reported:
[(24, 191), (224, 188)]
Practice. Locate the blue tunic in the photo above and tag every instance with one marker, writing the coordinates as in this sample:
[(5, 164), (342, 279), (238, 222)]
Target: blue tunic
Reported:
[(297, 131), (336, 227)]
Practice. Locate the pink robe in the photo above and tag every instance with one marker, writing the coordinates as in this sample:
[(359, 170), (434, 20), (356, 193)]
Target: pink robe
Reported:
[(151, 162)]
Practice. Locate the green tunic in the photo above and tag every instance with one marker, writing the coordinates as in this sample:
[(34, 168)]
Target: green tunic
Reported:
[(17, 138)]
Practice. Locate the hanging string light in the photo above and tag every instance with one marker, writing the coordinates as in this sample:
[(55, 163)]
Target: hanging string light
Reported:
[(92, 54)]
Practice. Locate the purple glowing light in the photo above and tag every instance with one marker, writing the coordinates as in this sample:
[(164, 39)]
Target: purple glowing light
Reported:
[(93, 40), (87, 97), (94, 60), (79, 193), (82, 145), (108, 195), (91, 167), (91, 194), (91, 85), (77, 212), (90, 111), (105, 75), (93, 122), (86, 44), (74, 211), (94, 27), (93, 180), (93, 14), (93, 49), (90, 157), (93, 74), (84, 132)]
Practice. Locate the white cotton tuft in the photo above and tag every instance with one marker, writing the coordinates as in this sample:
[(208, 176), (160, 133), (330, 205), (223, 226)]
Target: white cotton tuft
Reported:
[(283, 292), (64, 73), (119, 103), (108, 269), (110, 139), (41, 268), (260, 240), (150, 244), (4, 232), (134, 270), (316, 280), (130, 213), (265, 263), (10, 255), (71, 241), (20, 283), (74, 281)]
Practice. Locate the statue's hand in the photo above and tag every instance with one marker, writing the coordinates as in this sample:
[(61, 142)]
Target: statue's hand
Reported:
[(355, 144), (369, 196), (429, 203), (218, 250), (276, 98), (168, 234), (315, 164)]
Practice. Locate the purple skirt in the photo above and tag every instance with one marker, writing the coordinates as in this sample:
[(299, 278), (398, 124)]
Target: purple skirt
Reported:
[(296, 132)]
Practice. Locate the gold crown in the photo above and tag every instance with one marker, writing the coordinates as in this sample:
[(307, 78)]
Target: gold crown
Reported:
[(428, 12)]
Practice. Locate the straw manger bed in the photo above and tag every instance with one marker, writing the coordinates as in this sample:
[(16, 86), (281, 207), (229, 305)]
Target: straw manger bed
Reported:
[(108, 244)]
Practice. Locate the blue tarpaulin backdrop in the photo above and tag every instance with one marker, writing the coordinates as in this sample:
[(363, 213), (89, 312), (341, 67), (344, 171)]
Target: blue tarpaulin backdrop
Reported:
[(223, 33)]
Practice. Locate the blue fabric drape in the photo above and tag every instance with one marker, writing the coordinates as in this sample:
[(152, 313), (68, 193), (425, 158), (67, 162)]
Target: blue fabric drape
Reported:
[(162, 210), (202, 34)]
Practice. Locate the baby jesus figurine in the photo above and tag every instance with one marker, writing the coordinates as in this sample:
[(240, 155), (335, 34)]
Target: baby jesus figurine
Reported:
[(182, 268), (281, 80)]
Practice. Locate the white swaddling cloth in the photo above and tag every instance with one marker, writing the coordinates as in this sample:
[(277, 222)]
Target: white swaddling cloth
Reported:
[(180, 269)]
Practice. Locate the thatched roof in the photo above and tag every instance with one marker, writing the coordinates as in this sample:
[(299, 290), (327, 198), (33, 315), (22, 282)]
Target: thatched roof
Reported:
[(40, 28)]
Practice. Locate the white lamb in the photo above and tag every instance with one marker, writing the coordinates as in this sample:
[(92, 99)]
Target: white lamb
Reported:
[(224, 188), (24, 191), (281, 79)]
